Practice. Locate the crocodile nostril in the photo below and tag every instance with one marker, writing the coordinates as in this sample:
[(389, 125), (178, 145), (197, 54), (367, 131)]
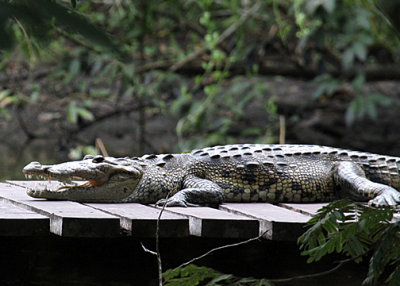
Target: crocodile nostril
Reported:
[(33, 166)]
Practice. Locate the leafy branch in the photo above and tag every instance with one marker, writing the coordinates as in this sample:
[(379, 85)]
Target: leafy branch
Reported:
[(36, 19), (356, 231), (226, 34)]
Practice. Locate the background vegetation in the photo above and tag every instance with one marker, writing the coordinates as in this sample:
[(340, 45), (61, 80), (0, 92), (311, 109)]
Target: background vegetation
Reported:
[(203, 63)]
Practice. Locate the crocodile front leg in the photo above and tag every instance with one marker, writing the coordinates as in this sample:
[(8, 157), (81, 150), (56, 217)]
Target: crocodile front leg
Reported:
[(195, 192), (351, 180)]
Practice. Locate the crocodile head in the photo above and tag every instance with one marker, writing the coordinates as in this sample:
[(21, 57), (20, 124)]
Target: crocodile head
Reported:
[(106, 179)]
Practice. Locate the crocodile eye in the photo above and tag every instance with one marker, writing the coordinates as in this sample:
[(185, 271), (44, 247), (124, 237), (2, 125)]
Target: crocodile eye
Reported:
[(98, 159)]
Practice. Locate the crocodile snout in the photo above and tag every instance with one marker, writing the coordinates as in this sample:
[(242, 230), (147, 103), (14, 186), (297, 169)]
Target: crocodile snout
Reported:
[(34, 167)]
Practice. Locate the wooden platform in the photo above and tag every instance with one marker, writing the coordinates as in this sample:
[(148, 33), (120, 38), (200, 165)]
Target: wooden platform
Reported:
[(21, 215)]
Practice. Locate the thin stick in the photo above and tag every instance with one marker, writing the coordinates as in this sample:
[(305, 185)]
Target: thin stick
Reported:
[(159, 262), (147, 250), (26, 37), (101, 147), (157, 252), (340, 264), (222, 247), (282, 129)]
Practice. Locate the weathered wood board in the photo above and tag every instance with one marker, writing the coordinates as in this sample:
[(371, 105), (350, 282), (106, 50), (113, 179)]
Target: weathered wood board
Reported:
[(307, 209), (15, 221), (141, 221), (66, 218), (240, 220), (276, 223), (209, 222)]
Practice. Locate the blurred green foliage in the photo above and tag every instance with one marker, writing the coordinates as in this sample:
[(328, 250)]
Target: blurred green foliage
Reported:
[(197, 60)]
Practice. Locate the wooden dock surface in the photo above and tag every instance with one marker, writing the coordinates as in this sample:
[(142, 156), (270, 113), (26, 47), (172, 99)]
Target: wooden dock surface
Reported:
[(21, 215)]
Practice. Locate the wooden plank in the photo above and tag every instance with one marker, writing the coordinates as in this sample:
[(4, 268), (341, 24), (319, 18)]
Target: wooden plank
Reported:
[(15, 221), (210, 222), (276, 222), (311, 209), (307, 209), (141, 221), (66, 218)]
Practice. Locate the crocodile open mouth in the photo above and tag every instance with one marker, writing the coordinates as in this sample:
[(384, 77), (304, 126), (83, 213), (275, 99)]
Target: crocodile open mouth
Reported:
[(68, 182), (93, 179), (72, 180), (91, 174)]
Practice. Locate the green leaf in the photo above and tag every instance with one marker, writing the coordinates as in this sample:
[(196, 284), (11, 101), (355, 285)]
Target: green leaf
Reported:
[(189, 275), (74, 111), (394, 277), (360, 51), (37, 19), (354, 111), (348, 58), (171, 273), (329, 5), (74, 67), (72, 114), (85, 114), (221, 278)]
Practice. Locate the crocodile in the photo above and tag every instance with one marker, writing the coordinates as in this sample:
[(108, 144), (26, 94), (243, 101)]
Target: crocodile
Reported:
[(230, 173)]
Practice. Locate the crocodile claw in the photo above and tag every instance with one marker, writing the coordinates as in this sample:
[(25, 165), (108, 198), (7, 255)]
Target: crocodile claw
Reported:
[(173, 202), (34, 193), (387, 198)]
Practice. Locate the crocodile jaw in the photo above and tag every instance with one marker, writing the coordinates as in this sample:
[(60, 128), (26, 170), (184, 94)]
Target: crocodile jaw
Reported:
[(65, 173), (108, 181)]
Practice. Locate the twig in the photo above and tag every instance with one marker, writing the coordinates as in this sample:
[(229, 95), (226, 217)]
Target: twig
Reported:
[(26, 37), (220, 248), (100, 146), (340, 264), (147, 250), (162, 64), (282, 129), (225, 34), (157, 252), (76, 40), (159, 262)]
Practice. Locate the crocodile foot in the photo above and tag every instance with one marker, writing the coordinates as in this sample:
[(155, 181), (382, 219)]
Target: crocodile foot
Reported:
[(34, 193), (173, 202), (388, 197)]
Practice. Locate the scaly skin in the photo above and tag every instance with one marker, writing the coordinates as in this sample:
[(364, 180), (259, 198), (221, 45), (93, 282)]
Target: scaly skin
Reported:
[(231, 173)]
